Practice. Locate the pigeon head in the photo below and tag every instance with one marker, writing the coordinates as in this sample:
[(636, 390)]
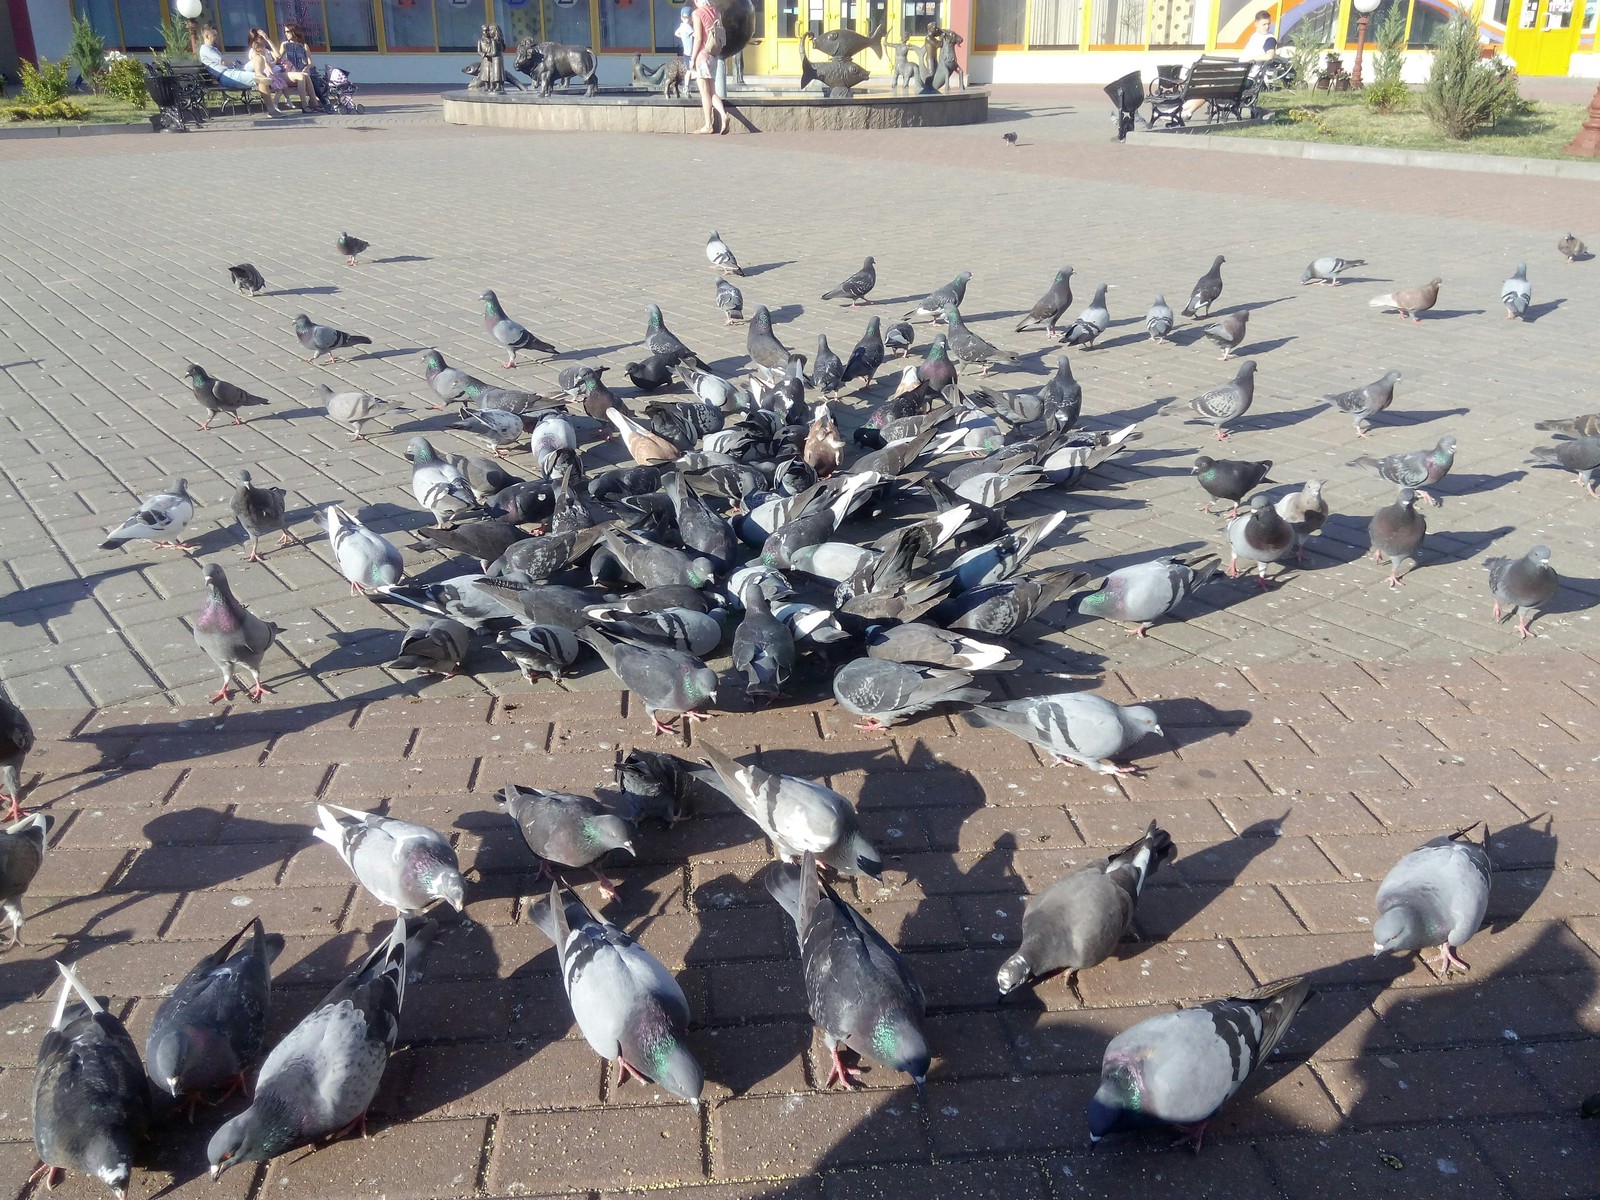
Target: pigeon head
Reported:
[(1204, 463), (1115, 1103), (897, 1041), (109, 1157), (434, 361), (1539, 556), (443, 882), (1445, 445), (608, 832), (420, 450), (1399, 928), (655, 316), (1014, 972), (257, 1134), (216, 579), (701, 571), (1309, 275), (1246, 369), (1407, 498), (170, 1057), (1141, 720), (197, 374), (244, 476), (652, 1046), (301, 323), (866, 858)]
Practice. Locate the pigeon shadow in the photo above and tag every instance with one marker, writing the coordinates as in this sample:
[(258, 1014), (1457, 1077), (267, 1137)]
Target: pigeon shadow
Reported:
[(323, 289), (398, 352), (1524, 857), (1199, 877), (763, 268), (1255, 348), (1446, 314), (1261, 422), (1535, 312), (1576, 594), (1400, 418), (1458, 484), (1460, 545), (786, 312), (399, 258), (21, 362), (46, 601)]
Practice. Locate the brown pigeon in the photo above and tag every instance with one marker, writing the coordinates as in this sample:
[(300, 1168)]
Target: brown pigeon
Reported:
[(1410, 301)]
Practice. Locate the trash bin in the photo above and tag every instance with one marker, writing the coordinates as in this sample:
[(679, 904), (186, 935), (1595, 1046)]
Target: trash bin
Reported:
[(1127, 94)]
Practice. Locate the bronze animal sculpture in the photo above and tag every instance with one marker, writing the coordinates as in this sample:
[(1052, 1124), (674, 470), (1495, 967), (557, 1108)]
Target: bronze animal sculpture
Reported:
[(838, 75), (907, 67), (546, 62), (669, 76), (847, 43)]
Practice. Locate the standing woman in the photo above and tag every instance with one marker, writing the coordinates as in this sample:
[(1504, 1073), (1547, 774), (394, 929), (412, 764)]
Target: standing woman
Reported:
[(268, 83), (296, 57), (703, 66)]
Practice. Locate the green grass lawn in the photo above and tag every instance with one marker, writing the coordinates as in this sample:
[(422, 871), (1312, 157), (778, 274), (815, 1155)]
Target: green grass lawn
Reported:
[(103, 110), (1541, 133)]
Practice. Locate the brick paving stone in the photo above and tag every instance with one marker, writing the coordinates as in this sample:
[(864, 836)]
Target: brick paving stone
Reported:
[(1203, 912), (1331, 812), (596, 1148), (1163, 971), (1444, 1084), (1010, 1116), (1436, 1163), (442, 1159), (943, 1181), (1224, 1172), (1544, 1159), (1491, 1011)]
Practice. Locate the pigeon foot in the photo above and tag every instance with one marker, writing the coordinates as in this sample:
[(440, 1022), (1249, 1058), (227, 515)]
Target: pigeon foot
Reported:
[(222, 694), (259, 691), (14, 813), (845, 1075), (52, 1175), (871, 725), (1448, 961)]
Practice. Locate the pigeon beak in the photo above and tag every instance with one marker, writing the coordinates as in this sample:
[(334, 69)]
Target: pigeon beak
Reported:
[(1094, 1141), (216, 1172), (172, 1086), (921, 1084), (1377, 950), (628, 846)]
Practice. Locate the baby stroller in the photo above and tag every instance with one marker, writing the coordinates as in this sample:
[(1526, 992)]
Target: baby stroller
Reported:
[(338, 93)]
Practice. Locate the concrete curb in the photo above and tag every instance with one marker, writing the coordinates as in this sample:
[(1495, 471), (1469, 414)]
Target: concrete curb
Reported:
[(28, 132)]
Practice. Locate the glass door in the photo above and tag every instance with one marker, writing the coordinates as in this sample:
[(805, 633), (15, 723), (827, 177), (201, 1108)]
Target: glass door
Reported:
[(1541, 36)]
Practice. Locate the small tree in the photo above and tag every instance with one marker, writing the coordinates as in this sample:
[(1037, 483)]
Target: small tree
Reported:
[(1464, 93), (1387, 91), (87, 52), (1306, 43), (175, 37)]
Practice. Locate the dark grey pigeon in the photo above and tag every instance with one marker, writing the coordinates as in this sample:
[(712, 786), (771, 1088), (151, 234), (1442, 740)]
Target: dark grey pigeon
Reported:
[(883, 692), (920, 645), (1077, 921), (652, 565), (626, 1003), (763, 347), (158, 518), (1158, 320), (247, 279), (1074, 727), (232, 637), (703, 531), (407, 867), (16, 739), (218, 396), (260, 510), (856, 286), (320, 1079), (1224, 404), (763, 650), (324, 339), (91, 1104), (861, 993), (1260, 536), (695, 633), (901, 336), (567, 830), (661, 341), (1049, 307), (22, 849), (1180, 1068), (730, 300), (1328, 269), (866, 356), (660, 786), (1145, 592), (1396, 530), (539, 558), (663, 680), (350, 247), (484, 540), (437, 646), (998, 609), (1062, 396), (214, 1023), (447, 382), (1580, 455), (1090, 323), (1435, 896), (511, 336), (1364, 403), (1230, 332), (1523, 585), (1516, 293), (539, 650), (1588, 425), (933, 305), (1206, 290), (1417, 469), (967, 347)]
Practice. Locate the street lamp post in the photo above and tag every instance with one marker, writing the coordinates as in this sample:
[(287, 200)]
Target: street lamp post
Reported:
[(189, 10), (1587, 143), (1366, 8)]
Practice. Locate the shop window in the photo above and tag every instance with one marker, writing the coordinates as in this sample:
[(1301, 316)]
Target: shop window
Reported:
[(1427, 23), (102, 14), (878, 15), (999, 23), (625, 24), (307, 14), (350, 26), (667, 17), (1179, 23), (1496, 12), (1589, 14), (917, 17), (141, 25), (1318, 24), (1378, 15), (517, 19), (238, 18), (814, 16), (460, 24), (1117, 23), (1055, 24), (408, 24), (567, 22)]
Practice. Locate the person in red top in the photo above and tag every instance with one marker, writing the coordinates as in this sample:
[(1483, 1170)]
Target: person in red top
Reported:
[(703, 65)]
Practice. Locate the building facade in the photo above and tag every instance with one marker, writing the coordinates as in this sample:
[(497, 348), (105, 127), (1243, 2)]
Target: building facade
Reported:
[(1006, 41)]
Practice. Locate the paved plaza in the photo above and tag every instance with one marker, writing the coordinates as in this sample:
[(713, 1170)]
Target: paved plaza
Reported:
[(1313, 733)]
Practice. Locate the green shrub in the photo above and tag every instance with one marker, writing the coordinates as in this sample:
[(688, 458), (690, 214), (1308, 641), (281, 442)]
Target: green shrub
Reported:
[(1464, 93), (87, 53), (51, 110), (175, 37), (44, 83), (1387, 92), (124, 79), (1306, 44)]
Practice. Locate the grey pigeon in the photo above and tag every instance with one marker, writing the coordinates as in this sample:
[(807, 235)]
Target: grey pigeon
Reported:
[(1408, 302), (437, 646), (260, 510), (661, 341), (1068, 465), (91, 1104), (1224, 404), (652, 565), (720, 257), (861, 993), (1145, 592), (1417, 469), (626, 1003), (159, 518), (685, 629), (663, 680), (731, 301), (762, 345), (1049, 307), (214, 1023), (1328, 269), (355, 409), (232, 637), (1074, 727), (1158, 320), (508, 333), (1585, 426), (856, 286), (439, 487), (1206, 290), (1515, 293), (247, 279), (407, 867), (1090, 323), (366, 559), (1364, 403), (799, 815), (1077, 921), (933, 305), (1229, 333), (325, 339), (900, 336), (483, 539), (22, 849), (661, 786), (447, 382), (1435, 896), (320, 1079), (1261, 536), (1396, 530), (866, 356), (763, 650), (1580, 455), (883, 692), (827, 369), (1062, 396), (999, 609), (567, 830), (1571, 249), (1523, 585), (216, 395), (498, 429), (920, 645), (350, 247), (1002, 558), (1180, 1068), (539, 650), (967, 347), (1306, 512), (16, 739)]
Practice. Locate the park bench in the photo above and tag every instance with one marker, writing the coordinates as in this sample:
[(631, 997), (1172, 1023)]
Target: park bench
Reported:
[(1223, 83)]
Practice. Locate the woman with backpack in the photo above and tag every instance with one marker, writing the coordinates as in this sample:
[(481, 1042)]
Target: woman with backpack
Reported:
[(706, 65)]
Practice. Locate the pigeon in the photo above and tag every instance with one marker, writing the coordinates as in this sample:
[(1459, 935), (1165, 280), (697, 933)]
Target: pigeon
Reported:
[(661, 341), (1068, 465), (1206, 290), (567, 830), (658, 785), (933, 305), (22, 848), (324, 339), (214, 1023), (1579, 454), (1396, 530), (1571, 249), (439, 487), (1328, 269), (763, 650), (407, 867), (258, 511), (626, 1003), (920, 645), (16, 739), (1305, 512), (354, 409), (1073, 727), (763, 347), (1228, 332), (539, 650), (508, 333), (652, 565), (1077, 921), (1229, 479), (1158, 320), (1515, 294), (827, 368), (1586, 426), (231, 635), (216, 395), (967, 347), (1523, 585), (485, 540), (157, 518), (695, 633), (856, 286), (866, 356), (91, 1104), (1090, 323), (498, 429), (350, 247), (1145, 592), (1364, 403), (1180, 1068), (1415, 468), (437, 646), (1435, 896), (1261, 536), (860, 991), (1009, 139), (1049, 307), (247, 279), (900, 336), (1408, 302), (1224, 404), (320, 1079), (447, 382), (883, 692), (720, 257), (366, 559), (999, 609), (798, 815), (663, 680), (731, 301), (551, 434)]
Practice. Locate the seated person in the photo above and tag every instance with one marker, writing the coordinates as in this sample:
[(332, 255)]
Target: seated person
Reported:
[(236, 76), (1263, 44), (270, 77), (295, 55)]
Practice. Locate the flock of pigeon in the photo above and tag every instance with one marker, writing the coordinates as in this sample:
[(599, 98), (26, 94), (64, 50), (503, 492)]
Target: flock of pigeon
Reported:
[(735, 512)]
